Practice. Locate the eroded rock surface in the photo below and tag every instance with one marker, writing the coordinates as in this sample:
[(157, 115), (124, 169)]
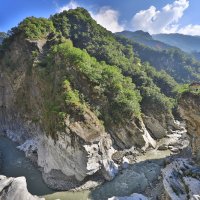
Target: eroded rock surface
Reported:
[(189, 107), (181, 180), (134, 179), (67, 155), (15, 189)]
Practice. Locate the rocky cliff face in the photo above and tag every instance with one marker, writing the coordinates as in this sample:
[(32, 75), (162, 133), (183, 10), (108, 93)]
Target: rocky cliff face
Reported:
[(69, 141), (189, 107), (82, 149), (181, 180), (66, 155)]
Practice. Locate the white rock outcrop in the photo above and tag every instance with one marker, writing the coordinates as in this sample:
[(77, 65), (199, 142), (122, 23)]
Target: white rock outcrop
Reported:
[(15, 189), (181, 180)]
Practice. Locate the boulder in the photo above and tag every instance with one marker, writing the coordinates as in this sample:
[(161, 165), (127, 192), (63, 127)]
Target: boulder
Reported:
[(15, 189)]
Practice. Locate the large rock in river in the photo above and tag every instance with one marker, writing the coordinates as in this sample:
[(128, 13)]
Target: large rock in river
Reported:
[(15, 189)]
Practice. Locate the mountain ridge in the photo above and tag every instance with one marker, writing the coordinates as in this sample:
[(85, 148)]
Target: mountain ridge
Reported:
[(187, 43), (146, 39)]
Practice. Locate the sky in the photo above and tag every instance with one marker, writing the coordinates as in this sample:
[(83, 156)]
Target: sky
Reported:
[(153, 16)]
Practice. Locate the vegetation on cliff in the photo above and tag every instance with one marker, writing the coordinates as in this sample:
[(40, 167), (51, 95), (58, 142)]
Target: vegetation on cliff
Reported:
[(107, 82), (85, 67), (186, 88), (34, 28), (97, 41)]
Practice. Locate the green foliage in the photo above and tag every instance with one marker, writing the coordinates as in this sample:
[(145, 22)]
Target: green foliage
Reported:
[(87, 34), (114, 74), (185, 88), (154, 98), (182, 88), (2, 36), (34, 28), (155, 101), (162, 80), (119, 90), (144, 38), (104, 46), (72, 96), (182, 67)]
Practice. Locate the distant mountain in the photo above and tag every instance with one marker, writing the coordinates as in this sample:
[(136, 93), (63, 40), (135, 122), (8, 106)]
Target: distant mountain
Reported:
[(186, 43), (145, 38), (2, 36)]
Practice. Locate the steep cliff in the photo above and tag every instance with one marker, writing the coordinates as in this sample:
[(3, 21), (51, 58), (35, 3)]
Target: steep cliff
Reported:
[(189, 108), (75, 147), (156, 88), (51, 118), (69, 110)]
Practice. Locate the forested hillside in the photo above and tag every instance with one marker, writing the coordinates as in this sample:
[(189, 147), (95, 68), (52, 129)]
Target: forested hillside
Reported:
[(88, 113), (181, 66), (102, 44), (126, 86)]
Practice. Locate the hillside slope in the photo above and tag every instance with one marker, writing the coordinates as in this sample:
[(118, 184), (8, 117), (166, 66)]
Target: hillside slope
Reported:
[(72, 95), (181, 66)]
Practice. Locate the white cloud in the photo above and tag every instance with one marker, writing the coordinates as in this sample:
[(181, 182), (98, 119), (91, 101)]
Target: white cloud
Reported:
[(160, 21), (190, 30), (106, 16), (71, 5), (165, 20), (109, 19)]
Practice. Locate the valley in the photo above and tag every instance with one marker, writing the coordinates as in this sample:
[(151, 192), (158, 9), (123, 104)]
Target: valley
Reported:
[(88, 114)]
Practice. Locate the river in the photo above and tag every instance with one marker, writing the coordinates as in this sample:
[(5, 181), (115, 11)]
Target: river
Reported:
[(15, 164)]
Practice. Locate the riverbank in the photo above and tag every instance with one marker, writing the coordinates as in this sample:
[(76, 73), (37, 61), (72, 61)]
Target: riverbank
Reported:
[(15, 164), (143, 171)]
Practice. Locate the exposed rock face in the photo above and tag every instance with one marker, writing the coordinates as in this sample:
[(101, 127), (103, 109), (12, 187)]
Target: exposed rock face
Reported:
[(189, 108), (68, 155), (157, 130), (132, 134), (81, 150), (15, 189), (159, 123), (73, 160), (181, 180), (134, 179)]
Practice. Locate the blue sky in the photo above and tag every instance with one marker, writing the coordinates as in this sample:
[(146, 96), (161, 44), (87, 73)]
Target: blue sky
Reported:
[(154, 16)]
